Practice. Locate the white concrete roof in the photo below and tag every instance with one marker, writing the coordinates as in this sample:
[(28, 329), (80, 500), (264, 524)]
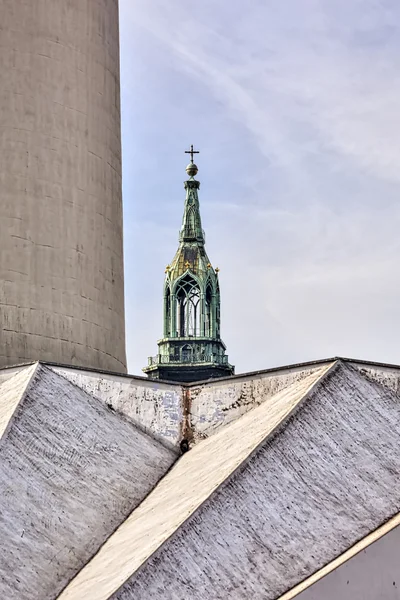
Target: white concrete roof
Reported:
[(181, 492), (71, 470), (153, 406), (171, 411), (291, 471), (12, 388), (265, 502)]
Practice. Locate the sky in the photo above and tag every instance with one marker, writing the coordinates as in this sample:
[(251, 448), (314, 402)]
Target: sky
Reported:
[(295, 108)]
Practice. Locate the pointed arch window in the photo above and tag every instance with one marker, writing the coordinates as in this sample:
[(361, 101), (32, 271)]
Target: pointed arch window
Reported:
[(167, 313), (208, 311), (217, 312), (188, 307)]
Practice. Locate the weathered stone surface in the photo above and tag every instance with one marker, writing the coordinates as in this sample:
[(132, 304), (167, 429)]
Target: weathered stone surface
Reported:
[(252, 510), (388, 376), (71, 470), (61, 263), (215, 404), (322, 483), (155, 407), (171, 412), (191, 481)]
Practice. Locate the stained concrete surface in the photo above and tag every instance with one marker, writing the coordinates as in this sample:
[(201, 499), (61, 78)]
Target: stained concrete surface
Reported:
[(61, 261), (71, 470)]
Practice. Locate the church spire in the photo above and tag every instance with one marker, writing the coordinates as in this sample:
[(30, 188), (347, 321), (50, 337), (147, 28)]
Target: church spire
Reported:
[(191, 229), (191, 348)]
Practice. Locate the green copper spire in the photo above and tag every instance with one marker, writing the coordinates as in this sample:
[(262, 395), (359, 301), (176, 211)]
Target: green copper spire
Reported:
[(191, 229), (191, 348)]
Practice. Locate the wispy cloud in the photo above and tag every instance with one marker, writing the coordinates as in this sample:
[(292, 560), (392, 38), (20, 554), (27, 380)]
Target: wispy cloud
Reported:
[(297, 105)]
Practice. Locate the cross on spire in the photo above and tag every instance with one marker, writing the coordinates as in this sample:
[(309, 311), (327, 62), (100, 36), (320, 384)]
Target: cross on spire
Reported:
[(191, 152)]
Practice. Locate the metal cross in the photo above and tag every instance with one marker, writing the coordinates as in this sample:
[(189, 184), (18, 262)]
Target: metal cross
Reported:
[(191, 152)]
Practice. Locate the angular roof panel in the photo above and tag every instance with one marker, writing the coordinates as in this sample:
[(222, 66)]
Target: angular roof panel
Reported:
[(179, 494), (71, 470), (321, 484), (12, 389), (215, 403), (265, 502), (154, 406), (366, 569)]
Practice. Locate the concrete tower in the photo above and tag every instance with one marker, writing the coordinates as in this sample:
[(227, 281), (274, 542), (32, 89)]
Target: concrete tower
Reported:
[(191, 348), (61, 259)]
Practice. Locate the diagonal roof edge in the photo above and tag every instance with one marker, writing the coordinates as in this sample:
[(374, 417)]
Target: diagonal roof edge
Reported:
[(15, 390), (362, 544), (122, 415), (19, 365), (201, 472)]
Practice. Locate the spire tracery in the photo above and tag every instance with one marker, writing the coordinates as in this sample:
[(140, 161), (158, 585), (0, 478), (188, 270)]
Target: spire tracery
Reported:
[(191, 347)]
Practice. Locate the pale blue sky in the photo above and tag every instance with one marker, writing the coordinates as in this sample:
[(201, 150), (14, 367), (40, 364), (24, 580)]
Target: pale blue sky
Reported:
[(295, 107)]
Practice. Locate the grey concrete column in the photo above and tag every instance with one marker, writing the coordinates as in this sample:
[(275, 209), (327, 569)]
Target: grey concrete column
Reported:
[(61, 261)]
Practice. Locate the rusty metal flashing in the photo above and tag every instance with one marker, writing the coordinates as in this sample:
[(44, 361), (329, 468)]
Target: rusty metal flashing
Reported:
[(186, 430)]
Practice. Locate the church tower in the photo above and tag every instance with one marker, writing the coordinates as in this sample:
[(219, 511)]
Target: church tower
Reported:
[(191, 348)]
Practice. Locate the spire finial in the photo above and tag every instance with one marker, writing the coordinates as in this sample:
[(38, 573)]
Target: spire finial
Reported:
[(192, 169), (191, 152)]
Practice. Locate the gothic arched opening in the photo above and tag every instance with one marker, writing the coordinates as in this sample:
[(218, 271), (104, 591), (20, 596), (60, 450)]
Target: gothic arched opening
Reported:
[(187, 353), (208, 311), (188, 307), (167, 309)]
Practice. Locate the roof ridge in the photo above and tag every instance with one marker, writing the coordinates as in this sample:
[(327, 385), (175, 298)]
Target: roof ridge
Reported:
[(131, 546)]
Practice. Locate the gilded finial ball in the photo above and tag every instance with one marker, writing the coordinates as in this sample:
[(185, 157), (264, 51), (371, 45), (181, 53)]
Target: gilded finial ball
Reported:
[(192, 169)]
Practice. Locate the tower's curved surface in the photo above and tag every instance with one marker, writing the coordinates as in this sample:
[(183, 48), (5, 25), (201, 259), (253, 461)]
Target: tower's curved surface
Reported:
[(61, 258)]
